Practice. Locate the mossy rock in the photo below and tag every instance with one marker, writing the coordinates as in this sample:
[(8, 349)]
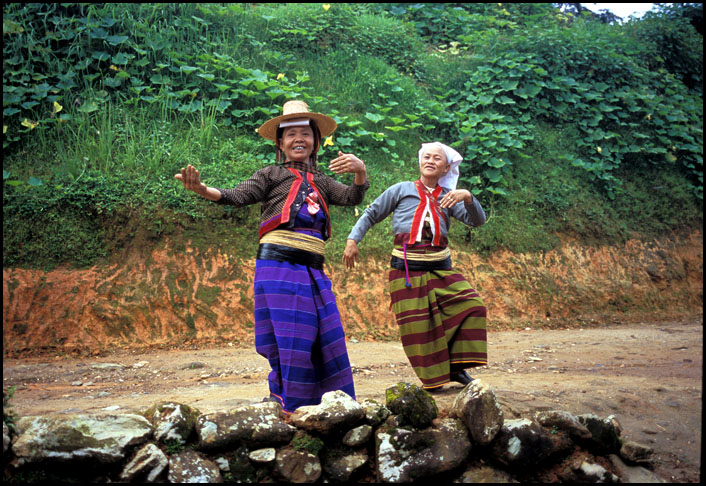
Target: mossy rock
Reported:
[(414, 405)]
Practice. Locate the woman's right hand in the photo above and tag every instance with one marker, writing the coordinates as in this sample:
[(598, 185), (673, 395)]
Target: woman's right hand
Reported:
[(350, 254), (191, 180)]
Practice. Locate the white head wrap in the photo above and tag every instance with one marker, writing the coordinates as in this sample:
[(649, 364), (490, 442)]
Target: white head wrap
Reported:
[(454, 159)]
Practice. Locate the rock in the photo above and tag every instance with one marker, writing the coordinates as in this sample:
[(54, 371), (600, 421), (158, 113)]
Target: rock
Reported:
[(192, 467), (263, 456), (404, 455), (414, 405), (485, 474), (336, 411), (595, 473), (340, 465), (375, 412), (195, 365), (563, 421), (5, 438), (523, 442), (605, 433), (633, 474), (478, 408), (297, 466), (358, 437), (635, 452), (147, 465), (172, 421), (101, 438), (582, 467), (241, 469), (107, 366), (222, 463), (254, 425)]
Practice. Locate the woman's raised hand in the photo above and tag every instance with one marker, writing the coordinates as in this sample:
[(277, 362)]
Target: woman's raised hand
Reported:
[(350, 254), (191, 180), (346, 164), (454, 197)]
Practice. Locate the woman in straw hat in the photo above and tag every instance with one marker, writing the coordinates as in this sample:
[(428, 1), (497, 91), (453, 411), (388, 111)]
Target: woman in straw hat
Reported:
[(297, 324), (442, 320)]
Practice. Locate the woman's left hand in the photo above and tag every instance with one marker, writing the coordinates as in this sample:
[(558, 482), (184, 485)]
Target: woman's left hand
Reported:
[(454, 197), (347, 164)]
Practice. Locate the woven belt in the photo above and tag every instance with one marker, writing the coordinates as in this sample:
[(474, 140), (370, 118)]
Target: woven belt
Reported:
[(438, 260), (423, 257), (298, 241), (288, 246)]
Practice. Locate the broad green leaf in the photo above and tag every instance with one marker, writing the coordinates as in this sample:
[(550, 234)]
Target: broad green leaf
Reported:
[(98, 33), (158, 79), (112, 82), (496, 162), (100, 55), (493, 175), (116, 39), (510, 84), (121, 59), (88, 107), (373, 117), (497, 190)]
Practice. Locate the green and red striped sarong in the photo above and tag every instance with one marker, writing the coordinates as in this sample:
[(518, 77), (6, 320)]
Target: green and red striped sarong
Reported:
[(442, 323)]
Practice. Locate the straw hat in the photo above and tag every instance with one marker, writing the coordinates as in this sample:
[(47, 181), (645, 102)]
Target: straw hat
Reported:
[(295, 109)]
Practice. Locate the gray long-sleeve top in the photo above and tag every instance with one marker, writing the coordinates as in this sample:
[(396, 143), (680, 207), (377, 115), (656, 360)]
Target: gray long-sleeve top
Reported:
[(403, 199)]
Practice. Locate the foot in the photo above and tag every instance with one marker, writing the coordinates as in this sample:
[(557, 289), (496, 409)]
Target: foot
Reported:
[(437, 389), (461, 377)]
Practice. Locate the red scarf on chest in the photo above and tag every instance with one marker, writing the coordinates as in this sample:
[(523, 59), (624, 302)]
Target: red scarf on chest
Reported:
[(283, 217), (425, 197)]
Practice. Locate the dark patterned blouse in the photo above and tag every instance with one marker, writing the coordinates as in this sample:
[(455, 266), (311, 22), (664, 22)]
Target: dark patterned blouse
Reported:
[(272, 185)]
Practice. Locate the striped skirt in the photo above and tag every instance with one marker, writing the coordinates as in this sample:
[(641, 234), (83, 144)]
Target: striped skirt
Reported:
[(298, 329), (442, 323)]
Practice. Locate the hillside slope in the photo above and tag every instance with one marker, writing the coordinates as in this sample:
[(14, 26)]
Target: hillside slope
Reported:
[(156, 295)]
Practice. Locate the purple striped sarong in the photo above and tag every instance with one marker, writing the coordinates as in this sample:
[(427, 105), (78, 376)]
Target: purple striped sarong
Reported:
[(298, 329)]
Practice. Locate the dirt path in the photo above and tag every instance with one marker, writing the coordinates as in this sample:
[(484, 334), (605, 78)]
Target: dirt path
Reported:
[(649, 376)]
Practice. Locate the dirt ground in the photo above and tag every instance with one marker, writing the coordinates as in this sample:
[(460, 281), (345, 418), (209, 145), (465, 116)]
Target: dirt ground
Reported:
[(648, 375)]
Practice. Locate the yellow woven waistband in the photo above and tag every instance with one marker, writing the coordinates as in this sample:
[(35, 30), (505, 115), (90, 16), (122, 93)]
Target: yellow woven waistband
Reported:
[(295, 240), (423, 257)]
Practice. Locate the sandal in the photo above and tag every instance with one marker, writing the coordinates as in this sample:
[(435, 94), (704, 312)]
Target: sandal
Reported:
[(461, 377)]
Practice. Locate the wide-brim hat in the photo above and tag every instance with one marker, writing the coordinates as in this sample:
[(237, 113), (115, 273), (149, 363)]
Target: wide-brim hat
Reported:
[(295, 109)]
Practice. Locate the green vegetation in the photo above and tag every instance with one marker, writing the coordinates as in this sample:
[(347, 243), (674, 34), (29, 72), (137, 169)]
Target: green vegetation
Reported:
[(8, 415), (307, 443), (568, 124)]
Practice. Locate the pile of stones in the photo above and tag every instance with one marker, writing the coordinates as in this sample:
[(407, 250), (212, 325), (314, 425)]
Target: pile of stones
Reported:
[(406, 439)]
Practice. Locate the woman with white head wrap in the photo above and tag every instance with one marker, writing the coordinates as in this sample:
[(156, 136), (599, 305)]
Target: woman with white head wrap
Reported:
[(442, 320)]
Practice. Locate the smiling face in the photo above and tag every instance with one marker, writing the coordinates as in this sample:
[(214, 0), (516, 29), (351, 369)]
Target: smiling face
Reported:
[(433, 164), (297, 143)]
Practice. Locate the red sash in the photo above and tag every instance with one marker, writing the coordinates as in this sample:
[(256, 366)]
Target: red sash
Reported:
[(310, 179), (432, 199), (283, 217)]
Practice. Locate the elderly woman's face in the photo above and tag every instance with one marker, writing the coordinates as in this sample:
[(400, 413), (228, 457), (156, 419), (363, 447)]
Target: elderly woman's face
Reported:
[(434, 164), (297, 143)]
